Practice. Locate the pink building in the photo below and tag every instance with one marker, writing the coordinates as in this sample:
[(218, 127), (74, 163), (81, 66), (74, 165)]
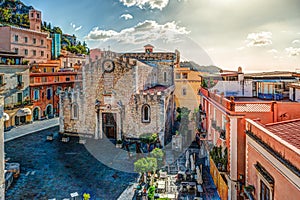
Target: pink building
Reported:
[(273, 160), (96, 54), (223, 125), (30, 43)]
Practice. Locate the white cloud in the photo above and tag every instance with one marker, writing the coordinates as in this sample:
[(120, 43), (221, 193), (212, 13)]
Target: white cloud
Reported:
[(259, 39), (153, 4), (143, 32), (296, 42), (126, 16), (73, 25), (97, 34), (292, 51), (273, 51), (76, 28)]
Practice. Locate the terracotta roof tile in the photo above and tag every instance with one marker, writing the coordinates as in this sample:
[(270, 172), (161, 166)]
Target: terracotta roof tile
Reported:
[(158, 88), (288, 131)]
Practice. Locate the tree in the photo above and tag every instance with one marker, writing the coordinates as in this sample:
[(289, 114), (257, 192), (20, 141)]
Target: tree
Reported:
[(204, 83), (159, 155), (183, 114), (183, 119), (25, 19), (81, 48), (149, 138), (49, 26), (58, 30), (65, 40), (144, 165), (45, 24), (5, 14)]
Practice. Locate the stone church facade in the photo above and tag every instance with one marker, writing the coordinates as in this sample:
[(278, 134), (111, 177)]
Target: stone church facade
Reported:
[(123, 95)]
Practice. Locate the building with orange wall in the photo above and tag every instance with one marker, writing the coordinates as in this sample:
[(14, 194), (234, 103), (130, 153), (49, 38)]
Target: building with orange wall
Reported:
[(32, 43), (47, 80), (224, 122), (272, 160)]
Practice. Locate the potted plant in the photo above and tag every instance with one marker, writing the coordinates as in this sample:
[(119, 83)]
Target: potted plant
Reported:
[(119, 144), (249, 188)]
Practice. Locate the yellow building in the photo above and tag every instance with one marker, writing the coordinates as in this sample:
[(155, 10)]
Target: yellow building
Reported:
[(187, 84)]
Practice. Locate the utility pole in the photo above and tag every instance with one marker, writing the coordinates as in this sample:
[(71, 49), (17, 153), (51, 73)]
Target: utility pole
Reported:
[(2, 177)]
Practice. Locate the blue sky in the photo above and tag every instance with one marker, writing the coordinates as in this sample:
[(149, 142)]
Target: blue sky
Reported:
[(257, 35)]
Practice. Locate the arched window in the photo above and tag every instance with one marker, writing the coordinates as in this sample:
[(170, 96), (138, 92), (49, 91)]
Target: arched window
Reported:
[(146, 113), (75, 111), (49, 93)]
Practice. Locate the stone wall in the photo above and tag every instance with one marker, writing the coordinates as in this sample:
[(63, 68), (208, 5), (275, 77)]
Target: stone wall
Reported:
[(85, 99), (122, 92)]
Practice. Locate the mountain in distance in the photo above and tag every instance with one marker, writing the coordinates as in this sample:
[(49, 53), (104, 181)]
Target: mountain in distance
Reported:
[(211, 69)]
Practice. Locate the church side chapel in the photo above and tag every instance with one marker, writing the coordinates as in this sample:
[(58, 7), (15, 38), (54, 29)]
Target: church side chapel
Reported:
[(123, 96)]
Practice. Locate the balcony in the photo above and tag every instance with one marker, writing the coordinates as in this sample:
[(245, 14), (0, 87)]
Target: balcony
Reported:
[(220, 158), (20, 85), (18, 105)]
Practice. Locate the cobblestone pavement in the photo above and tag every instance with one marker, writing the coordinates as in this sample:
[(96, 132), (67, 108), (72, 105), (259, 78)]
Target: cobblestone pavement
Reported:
[(52, 169)]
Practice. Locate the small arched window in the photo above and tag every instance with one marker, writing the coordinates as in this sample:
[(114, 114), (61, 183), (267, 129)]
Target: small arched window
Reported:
[(75, 111), (184, 91), (146, 114)]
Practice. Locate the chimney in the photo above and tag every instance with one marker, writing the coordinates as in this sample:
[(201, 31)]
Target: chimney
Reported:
[(148, 48)]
